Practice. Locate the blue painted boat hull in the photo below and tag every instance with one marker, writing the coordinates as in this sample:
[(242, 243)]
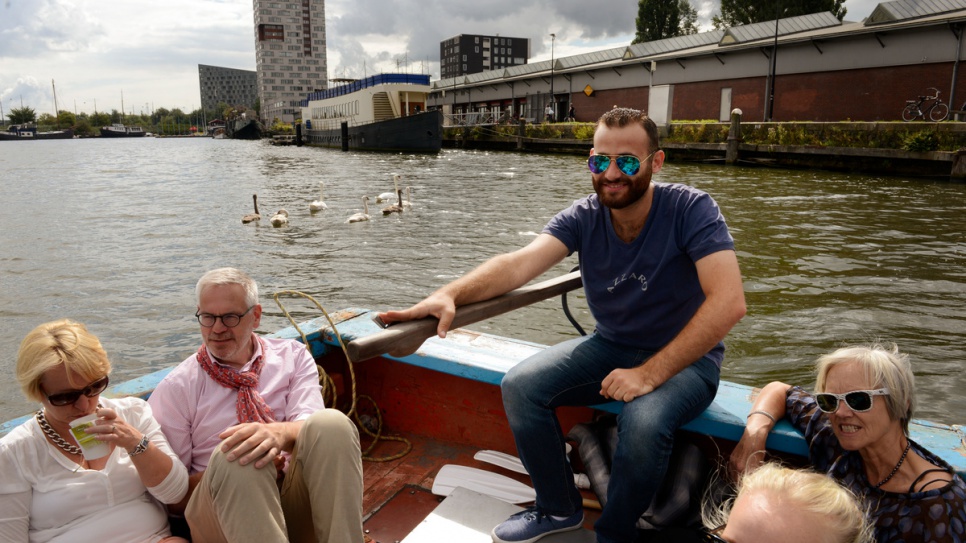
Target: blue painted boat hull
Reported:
[(481, 360)]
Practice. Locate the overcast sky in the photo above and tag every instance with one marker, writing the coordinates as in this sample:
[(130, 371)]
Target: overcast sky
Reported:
[(148, 51)]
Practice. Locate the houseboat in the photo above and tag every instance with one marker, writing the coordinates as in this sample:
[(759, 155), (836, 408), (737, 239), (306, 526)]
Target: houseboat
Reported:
[(385, 112), (24, 132), (118, 130)]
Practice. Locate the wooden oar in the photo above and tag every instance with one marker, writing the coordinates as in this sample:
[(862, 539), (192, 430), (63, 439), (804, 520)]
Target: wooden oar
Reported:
[(406, 337)]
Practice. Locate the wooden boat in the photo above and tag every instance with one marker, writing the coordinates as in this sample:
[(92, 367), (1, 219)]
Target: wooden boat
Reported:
[(445, 401), (384, 112), (118, 130), (24, 132)]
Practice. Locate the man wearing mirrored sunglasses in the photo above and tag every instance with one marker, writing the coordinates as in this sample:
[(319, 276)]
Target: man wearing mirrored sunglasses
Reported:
[(857, 429), (662, 281), (267, 461)]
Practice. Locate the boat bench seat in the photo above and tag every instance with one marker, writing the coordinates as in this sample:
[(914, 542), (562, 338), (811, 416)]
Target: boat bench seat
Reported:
[(487, 358)]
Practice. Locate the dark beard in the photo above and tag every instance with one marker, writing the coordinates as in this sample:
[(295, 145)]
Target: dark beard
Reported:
[(637, 190)]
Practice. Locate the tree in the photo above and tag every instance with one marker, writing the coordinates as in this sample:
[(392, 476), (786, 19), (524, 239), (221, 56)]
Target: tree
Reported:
[(689, 18), (100, 119), (22, 115), (83, 128), (741, 12), (46, 119), (65, 119), (657, 19)]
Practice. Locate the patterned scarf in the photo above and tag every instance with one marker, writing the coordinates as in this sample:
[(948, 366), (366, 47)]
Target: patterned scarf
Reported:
[(249, 406)]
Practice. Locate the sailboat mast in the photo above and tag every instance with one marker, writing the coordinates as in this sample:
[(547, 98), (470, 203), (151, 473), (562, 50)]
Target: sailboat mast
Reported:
[(54, 87), (122, 105)]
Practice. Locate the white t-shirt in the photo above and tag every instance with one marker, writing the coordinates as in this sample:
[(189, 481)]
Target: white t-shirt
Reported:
[(45, 497)]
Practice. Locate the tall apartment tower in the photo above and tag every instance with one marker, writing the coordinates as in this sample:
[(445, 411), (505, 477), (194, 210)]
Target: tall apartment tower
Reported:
[(289, 55), (471, 53)]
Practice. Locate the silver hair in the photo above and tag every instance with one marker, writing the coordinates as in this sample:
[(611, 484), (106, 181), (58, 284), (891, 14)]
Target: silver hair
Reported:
[(885, 367), (228, 276)]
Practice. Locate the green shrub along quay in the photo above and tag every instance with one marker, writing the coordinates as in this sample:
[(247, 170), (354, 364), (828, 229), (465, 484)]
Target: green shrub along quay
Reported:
[(930, 149)]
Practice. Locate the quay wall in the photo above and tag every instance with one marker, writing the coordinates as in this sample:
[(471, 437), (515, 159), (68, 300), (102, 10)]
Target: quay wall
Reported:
[(869, 148)]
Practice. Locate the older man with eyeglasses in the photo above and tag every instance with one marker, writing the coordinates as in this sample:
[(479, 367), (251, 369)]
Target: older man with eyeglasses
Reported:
[(267, 461)]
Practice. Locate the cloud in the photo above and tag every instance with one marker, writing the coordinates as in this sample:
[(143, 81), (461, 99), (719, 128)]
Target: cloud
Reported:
[(150, 49), (38, 27)]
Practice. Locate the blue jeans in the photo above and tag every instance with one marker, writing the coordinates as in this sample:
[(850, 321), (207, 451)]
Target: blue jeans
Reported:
[(570, 374)]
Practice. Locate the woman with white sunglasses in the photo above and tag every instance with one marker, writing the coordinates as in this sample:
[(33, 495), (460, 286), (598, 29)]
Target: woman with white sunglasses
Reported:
[(857, 429)]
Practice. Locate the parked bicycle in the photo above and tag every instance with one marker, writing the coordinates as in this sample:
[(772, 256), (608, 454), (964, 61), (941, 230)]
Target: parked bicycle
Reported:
[(926, 106)]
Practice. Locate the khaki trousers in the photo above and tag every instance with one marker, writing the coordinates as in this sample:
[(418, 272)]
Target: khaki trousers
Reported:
[(320, 499)]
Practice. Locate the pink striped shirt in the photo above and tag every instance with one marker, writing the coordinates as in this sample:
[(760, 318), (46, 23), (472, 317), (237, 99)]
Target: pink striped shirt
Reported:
[(193, 409)]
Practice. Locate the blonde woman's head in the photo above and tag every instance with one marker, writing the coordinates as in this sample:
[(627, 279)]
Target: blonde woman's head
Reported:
[(59, 343), (775, 503)]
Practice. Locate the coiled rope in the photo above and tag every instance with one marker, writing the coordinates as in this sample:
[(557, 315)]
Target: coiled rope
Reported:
[(372, 426)]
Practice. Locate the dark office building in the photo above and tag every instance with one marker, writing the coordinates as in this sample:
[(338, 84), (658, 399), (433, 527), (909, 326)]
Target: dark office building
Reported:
[(470, 54), (226, 85)]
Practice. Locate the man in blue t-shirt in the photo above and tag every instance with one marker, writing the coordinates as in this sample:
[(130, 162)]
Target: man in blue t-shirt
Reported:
[(662, 281)]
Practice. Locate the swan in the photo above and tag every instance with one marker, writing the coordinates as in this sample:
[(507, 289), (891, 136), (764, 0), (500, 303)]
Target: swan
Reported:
[(386, 196), (364, 216), (252, 216), (394, 208), (280, 218), (319, 204), (408, 202)]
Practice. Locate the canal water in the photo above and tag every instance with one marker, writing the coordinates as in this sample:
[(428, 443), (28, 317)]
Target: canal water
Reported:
[(115, 233)]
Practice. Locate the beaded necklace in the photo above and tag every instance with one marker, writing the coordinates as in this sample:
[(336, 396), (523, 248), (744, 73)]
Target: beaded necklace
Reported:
[(895, 469), (55, 437)]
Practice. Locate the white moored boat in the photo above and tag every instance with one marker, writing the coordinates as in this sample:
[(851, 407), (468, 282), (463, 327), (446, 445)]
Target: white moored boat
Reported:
[(384, 112)]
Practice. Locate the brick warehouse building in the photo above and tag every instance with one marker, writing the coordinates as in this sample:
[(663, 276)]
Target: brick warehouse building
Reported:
[(826, 70)]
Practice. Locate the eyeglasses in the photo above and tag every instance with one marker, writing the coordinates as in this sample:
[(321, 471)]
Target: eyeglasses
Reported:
[(859, 401), (69, 398), (713, 537), (230, 320), (627, 164)]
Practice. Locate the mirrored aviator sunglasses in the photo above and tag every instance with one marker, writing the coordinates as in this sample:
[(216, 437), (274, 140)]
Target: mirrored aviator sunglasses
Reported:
[(627, 164), (858, 401), (69, 398)]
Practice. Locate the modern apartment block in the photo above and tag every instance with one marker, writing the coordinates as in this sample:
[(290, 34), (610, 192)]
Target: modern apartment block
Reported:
[(471, 53), (226, 86), (289, 54)]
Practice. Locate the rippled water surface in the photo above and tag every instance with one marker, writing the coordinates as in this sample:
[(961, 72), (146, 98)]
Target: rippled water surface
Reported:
[(116, 233)]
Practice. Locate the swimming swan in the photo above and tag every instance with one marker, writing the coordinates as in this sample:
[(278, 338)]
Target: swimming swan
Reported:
[(252, 216), (394, 208), (408, 202), (364, 216), (280, 218), (319, 204), (386, 196)]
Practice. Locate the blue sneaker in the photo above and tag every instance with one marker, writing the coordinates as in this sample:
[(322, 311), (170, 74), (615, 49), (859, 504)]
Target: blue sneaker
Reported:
[(532, 524)]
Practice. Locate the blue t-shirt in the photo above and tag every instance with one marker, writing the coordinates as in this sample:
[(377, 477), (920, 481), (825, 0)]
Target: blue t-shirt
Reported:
[(643, 293)]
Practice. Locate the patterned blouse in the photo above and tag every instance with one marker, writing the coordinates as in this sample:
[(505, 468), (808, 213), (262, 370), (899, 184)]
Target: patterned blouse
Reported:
[(937, 515)]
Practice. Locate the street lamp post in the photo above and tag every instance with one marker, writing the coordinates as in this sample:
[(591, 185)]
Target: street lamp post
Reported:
[(553, 105), (770, 107)]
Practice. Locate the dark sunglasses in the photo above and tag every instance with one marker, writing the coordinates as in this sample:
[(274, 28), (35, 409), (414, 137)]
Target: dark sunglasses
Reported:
[(859, 401), (627, 164), (230, 320), (69, 398)]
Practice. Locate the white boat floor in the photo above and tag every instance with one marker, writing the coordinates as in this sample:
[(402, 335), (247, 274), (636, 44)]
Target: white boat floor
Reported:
[(468, 517)]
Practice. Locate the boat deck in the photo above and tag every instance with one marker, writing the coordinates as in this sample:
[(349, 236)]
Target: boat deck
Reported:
[(398, 496)]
